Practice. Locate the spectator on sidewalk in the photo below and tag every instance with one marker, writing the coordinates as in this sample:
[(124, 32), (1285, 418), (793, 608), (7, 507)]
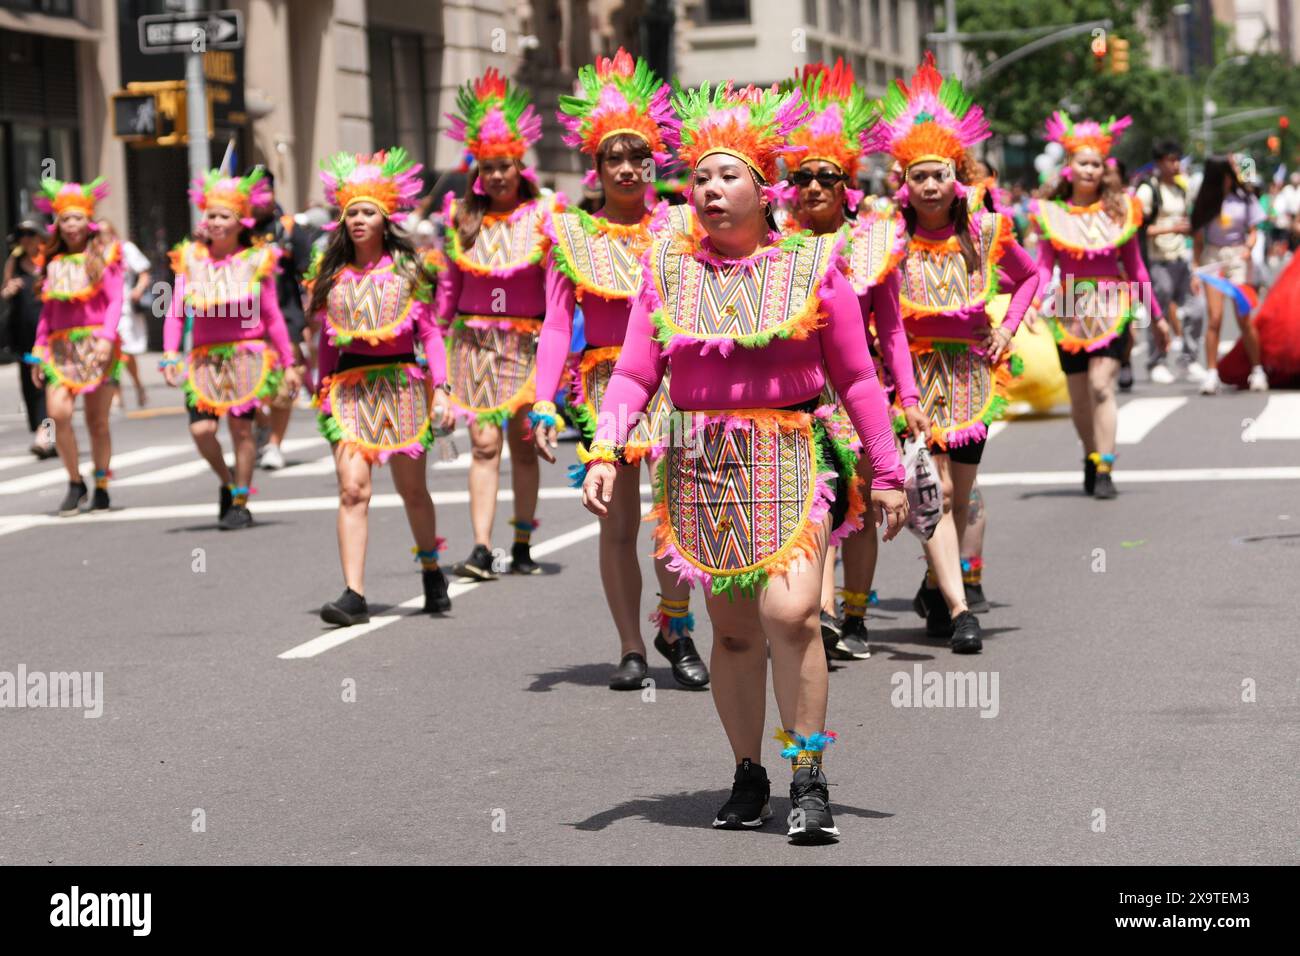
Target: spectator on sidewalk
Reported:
[(20, 289), (132, 331)]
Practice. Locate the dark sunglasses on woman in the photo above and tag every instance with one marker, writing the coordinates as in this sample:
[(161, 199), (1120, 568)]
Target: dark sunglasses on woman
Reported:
[(826, 180)]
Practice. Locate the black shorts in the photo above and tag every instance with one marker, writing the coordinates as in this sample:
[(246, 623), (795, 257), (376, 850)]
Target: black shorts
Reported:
[(967, 454), (198, 416), (1076, 363)]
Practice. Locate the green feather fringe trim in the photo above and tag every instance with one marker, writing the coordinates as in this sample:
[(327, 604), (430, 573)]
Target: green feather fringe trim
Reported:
[(581, 418), (329, 427), (1017, 365), (76, 335), (274, 379), (900, 424), (996, 409)]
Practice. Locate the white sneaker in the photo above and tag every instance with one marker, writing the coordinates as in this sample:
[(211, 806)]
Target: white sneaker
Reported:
[(272, 459), (1195, 371), (1258, 380), (1160, 375), (1211, 383)]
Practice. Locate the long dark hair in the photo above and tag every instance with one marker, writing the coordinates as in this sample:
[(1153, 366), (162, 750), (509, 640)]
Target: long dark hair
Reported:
[(471, 210), (959, 213), (1209, 199), (340, 252)]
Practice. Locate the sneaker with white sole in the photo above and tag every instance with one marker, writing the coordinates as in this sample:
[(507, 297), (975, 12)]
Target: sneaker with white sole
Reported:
[(1210, 384), (272, 458), (1160, 375), (1195, 371), (1258, 380)]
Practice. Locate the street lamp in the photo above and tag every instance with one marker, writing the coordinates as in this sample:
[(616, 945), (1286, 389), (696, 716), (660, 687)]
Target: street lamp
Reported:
[(1207, 105)]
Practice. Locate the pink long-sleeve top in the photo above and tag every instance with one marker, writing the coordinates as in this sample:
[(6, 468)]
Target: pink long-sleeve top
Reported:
[(522, 294), (604, 324), (423, 325), (1106, 263), (882, 301), (1016, 272), (782, 373), (103, 309), (230, 321)]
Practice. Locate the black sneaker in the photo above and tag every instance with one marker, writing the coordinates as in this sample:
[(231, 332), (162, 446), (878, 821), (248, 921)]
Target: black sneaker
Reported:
[(938, 621), (477, 566), (1125, 378), (966, 635), (436, 598), (810, 808), (749, 806), (1089, 476), (226, 500), (630, 673), (1105, 486), (99, 500), (73, 500), (918, 602), (853, 637), (349, 609), (236, 519), (833, 639), (975, 599), (521, 561), (688, 668)]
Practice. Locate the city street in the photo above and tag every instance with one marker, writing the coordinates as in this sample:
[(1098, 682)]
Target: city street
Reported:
[(1144, 652)]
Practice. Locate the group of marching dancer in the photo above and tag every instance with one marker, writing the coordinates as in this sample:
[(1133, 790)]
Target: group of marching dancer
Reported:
[(762, 348)]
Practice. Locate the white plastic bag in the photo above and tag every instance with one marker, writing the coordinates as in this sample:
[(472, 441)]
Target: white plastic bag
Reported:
[(923, 487)]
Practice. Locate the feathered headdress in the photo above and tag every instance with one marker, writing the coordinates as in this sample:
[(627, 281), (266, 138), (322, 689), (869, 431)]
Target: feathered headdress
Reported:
[(389, 179), (1086, 134), (932, 121), (59, 197), (750, 123), (495, 119), (621, 95), (841, 115), (239, 194)]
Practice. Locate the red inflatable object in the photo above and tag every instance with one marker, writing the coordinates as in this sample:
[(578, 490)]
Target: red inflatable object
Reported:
[(1278, 324)]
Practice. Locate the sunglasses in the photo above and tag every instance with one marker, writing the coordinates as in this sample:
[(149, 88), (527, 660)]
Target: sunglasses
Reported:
[(826, 180)]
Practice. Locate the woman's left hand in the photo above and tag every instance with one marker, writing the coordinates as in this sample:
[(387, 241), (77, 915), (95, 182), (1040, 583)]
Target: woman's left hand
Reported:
[(995, 343), (292, 381), (103, 352), (890, 510)]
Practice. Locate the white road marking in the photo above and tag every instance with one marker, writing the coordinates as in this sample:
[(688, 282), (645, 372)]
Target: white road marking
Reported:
[(15, 461), (198, 466), (325, 466), (1280, 418), (341, 635), (57, 476), (1143, 476), (996, 429), (1138, 417)]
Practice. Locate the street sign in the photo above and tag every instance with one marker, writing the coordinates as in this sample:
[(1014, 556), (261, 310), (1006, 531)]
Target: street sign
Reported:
[(176, 32)]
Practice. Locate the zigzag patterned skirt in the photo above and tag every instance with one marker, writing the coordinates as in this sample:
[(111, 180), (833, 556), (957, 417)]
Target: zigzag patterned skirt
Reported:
[(960, 392), (744, 498), (69, 360), (491, 366), (1097, 310), (587, 391), (378, 410), (225, 378)]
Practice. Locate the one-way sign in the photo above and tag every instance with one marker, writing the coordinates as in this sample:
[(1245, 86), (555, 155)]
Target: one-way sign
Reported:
[(175, 32)]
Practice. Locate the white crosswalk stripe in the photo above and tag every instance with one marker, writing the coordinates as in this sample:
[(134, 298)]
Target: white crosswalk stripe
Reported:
[(189, 469), (1138, 417), (55, 475), (1280, 418)]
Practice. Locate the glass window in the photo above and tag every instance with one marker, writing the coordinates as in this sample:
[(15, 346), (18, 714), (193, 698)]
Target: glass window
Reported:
[(860, 67), (855, 19), (895, 44), (816, 52), (810, 12), (878, 73), (397, 103), (875, 26), (835, 17), (726, 11)]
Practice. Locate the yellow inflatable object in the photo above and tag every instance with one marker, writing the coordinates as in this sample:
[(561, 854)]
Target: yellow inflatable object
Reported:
[(1042, 385)]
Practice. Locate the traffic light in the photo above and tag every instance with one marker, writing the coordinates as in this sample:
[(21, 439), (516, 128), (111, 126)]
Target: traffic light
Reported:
[(1119, 55), (1283, 123), (1274, 145)]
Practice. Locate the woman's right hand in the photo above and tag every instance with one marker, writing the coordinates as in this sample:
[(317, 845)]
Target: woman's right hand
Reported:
[(890, 510), (546, 440), (12, 288), (171, 374), (598, 487), (38, 375)]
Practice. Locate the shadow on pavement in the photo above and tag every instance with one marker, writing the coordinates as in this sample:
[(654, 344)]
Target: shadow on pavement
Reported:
[(695, 810), (190, 529), (597, 675)]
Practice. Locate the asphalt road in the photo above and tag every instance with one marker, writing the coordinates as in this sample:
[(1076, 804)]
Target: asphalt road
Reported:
[(489, 736)]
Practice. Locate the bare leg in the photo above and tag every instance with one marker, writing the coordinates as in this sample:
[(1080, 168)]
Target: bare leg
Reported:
[(620, 571), (241, 435), (1103, 374), (1081, 410), (204, 433), (828, 580), (1213, 325), (59, 405), (278, 419), (787, 611), (353, 473), (942, 550), (484, 479), (98, 404), (525, 475), (409, 478), (738, 667)]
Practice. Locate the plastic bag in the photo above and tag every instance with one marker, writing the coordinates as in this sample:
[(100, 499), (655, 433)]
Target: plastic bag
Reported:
[(923, 487)]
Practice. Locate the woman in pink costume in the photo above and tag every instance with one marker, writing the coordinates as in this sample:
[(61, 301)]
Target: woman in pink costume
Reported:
[(76, 349), (240, 356), (492, 296), (753, 487), (1090, 230), (958, 258), (373, 299), (832, 146), (596, 260)]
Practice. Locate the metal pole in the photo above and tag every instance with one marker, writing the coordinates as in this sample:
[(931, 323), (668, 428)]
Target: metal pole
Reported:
[(196, 111)]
